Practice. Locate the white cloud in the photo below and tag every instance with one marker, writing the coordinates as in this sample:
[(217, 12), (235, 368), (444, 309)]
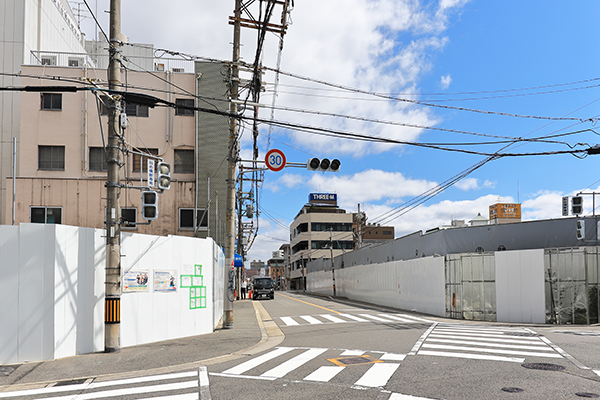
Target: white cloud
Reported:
[(445, 82), (473, 184)]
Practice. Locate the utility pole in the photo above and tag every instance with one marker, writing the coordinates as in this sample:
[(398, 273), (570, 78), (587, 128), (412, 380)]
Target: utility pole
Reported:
[(112, 311), (232, 160), (332, 265)]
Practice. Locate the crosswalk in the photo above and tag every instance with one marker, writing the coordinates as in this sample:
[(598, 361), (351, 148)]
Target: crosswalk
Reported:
[(175, 386), (355, 368), (343, 318), (483, 343)]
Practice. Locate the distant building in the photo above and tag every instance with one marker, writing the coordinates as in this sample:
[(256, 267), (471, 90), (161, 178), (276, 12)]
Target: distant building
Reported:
[(320, 230), (479, 220), (257, 265), (505, 213), (377, 234), (275, 269)]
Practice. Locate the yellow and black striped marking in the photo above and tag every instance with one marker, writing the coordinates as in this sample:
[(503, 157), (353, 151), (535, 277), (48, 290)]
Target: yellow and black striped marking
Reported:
[(112, 311)]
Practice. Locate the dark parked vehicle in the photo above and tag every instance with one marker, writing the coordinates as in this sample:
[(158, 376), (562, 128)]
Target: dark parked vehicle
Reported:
[(262, 286)]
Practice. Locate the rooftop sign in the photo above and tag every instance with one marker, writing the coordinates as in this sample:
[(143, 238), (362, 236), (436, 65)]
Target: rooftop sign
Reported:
[(328, 198)]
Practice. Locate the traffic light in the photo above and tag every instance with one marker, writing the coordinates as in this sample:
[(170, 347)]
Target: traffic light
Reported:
[(314, 164), (577, 205), (164, 176), (580, 229), (150, 205)]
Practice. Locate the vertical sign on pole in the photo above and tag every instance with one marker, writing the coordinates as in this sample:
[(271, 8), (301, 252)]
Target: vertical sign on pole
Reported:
[(565, 206), (151, 173)]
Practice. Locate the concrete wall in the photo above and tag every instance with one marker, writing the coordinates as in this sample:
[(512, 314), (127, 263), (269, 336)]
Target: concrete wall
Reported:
[(52, 287)]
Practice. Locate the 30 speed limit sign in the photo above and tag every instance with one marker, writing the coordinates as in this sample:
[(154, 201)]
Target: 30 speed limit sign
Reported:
[(275, 160)]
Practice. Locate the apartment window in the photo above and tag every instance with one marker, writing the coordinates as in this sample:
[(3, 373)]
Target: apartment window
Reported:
[(48, 60), (141, 161), (184, 162), (97, 159), (129, 217), (75, 62), (326, 227), (51, 158), (45, 215), (136, 110), (185, 105), (51, 101), (187, 216)]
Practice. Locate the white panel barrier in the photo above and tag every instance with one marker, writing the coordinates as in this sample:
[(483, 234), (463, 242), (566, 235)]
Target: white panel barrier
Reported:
[(410, 285), (520, 286), (53, 287)]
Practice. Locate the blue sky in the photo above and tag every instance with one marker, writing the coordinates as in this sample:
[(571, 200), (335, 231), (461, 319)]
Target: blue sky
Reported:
[(510, 57)]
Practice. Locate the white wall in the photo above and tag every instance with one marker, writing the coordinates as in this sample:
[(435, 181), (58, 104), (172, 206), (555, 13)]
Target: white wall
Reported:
[(52, 286), (520, 295), (409, 285)]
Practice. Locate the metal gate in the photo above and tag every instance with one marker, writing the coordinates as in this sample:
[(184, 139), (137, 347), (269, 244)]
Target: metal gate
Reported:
[(471, 286), (572, 285)]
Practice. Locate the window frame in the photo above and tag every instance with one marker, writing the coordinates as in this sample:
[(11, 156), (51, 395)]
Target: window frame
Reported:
[(184, 103), (54, 102), (178, 166), (46, 208), (196, 214), (103, 163), (138, 160), (61, 164), (134, 214)]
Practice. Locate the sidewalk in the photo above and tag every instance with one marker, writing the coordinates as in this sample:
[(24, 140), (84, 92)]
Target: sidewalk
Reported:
[(248, 336)]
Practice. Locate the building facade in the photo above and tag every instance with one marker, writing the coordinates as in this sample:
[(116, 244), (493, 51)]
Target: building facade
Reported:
[(320, 230)]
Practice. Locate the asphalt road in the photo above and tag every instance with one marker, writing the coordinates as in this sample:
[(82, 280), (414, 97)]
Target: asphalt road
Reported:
[(305, 347)]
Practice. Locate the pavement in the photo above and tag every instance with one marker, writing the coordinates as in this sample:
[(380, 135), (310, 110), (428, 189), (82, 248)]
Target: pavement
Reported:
[(253, 331)]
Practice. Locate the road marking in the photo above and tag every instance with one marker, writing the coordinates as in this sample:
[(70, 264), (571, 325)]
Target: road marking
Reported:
[(400, 396), (186, 396), (310, 304), (348, 353), (289, 321), (354, 317), (332, 318), (485, 339), (498, 351), (393, 357), (134, 390), (96, 385), (376, 318), (419, 343), (310, 320), (396, 318), (248, 365), (324, 374), (378, 375), (471, 356), (533, 346), (293, 363), (203, 383)]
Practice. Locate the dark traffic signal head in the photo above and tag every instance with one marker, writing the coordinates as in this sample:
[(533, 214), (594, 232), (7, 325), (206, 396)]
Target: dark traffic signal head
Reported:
[(314, 164)]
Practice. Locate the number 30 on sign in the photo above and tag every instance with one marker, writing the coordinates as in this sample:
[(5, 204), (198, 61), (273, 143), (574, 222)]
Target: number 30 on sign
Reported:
[(275, 160)]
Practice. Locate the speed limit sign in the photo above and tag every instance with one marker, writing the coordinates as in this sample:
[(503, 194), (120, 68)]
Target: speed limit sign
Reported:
[(275, 160)]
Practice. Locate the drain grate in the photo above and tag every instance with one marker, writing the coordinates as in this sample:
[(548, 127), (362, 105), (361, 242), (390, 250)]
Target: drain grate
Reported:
[(512, 390), (588, 395), (523, 334), (543, 366), (345, 361), (71, 382)]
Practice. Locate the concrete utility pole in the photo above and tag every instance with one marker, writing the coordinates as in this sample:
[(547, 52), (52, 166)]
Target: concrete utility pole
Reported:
[(232, 161), (112, 317)]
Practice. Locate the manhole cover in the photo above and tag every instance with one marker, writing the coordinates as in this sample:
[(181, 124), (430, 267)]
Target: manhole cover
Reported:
[(512, 390), (588, 395), (345, 361), (544, 366), (523, 334)]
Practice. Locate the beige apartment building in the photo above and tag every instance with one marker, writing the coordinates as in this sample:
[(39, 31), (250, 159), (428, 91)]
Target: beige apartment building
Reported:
[(62, 164), (320, 230)]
